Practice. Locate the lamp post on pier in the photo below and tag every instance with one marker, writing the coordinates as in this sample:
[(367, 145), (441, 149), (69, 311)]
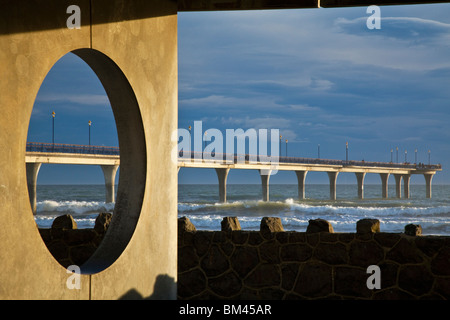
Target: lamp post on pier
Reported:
[(53, 128), (346, 151), (280, 144), (89, 122), (190, 141), (286, 147)]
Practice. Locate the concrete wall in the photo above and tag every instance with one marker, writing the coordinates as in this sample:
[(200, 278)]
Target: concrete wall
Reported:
[(141, 84)]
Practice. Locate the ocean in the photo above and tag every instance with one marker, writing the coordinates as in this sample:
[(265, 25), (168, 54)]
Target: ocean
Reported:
[(200, 204)]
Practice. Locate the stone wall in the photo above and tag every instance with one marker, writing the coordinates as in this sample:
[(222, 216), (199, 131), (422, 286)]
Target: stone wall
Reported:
[(316, 264), (70, 245), (277, 264)]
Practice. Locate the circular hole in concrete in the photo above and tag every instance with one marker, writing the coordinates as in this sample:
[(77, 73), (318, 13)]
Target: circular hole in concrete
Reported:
[(82, 216)]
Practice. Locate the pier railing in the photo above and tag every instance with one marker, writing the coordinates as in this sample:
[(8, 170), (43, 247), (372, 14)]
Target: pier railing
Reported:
[(236, 158), (70, 148), (225, 157)]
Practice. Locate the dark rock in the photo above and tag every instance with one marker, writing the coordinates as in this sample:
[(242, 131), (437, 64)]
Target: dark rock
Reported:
[(244, 260), (202, 241), (296, 252), (404, 252), (78, 236), (392, 294), (331, 253), (413, 230), (64, 222), (365, 253), (270, 251), (187, 258), (443, 287), (46, 234), (270, 224), (230, 224), (264, 275), (389, 274), (368, 226), (314, 280), (387, 239), (319, 225), (214, 262), (289, 273), (59, 250), (440, 264), (191, 283), (226, 285), (80, 254), (352, 282), (184, 224), (415, 279), (240, 237), (102, 222)]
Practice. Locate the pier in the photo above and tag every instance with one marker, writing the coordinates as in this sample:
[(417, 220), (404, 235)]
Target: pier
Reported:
[(301, 166), (108, 159)]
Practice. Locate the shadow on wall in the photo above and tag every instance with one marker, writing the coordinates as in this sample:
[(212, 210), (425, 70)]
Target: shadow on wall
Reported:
[(163, 285)]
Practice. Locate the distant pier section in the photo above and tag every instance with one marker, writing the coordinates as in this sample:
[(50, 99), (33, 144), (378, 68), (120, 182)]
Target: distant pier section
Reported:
[(109, 160), (37, 153)]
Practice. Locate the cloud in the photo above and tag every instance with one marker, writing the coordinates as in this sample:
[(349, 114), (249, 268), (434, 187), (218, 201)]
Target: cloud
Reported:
[(402, 28), (83, 99)]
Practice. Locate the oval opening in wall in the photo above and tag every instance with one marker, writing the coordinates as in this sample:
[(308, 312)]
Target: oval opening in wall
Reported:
[(86, 161)]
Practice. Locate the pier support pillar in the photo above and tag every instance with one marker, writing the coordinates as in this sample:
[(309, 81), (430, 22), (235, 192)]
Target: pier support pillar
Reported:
[(384, 184), (32, 174), (109, 171), (222, 174), (406, 179), (265, 176), (398, 185), (333, 177), (360, 178), (301, 176), (428, 178)]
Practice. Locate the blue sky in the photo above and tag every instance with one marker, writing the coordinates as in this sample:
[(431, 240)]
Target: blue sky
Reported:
[(320, 76)]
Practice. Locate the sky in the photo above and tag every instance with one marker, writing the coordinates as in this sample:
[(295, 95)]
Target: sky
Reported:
[(320, 76)]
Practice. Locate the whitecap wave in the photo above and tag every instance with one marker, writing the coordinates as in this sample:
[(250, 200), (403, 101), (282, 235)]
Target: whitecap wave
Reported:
[(72, 207)]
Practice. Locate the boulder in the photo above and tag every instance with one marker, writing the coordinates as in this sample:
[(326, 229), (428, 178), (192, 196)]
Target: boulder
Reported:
[(64, 222), (230, 224), (413, 230), (102, 222), (184, 224), (319, 225), (368, 226), (270, 224)]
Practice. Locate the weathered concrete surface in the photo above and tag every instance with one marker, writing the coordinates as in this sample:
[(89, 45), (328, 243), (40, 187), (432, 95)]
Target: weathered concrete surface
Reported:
[(136, 60)]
